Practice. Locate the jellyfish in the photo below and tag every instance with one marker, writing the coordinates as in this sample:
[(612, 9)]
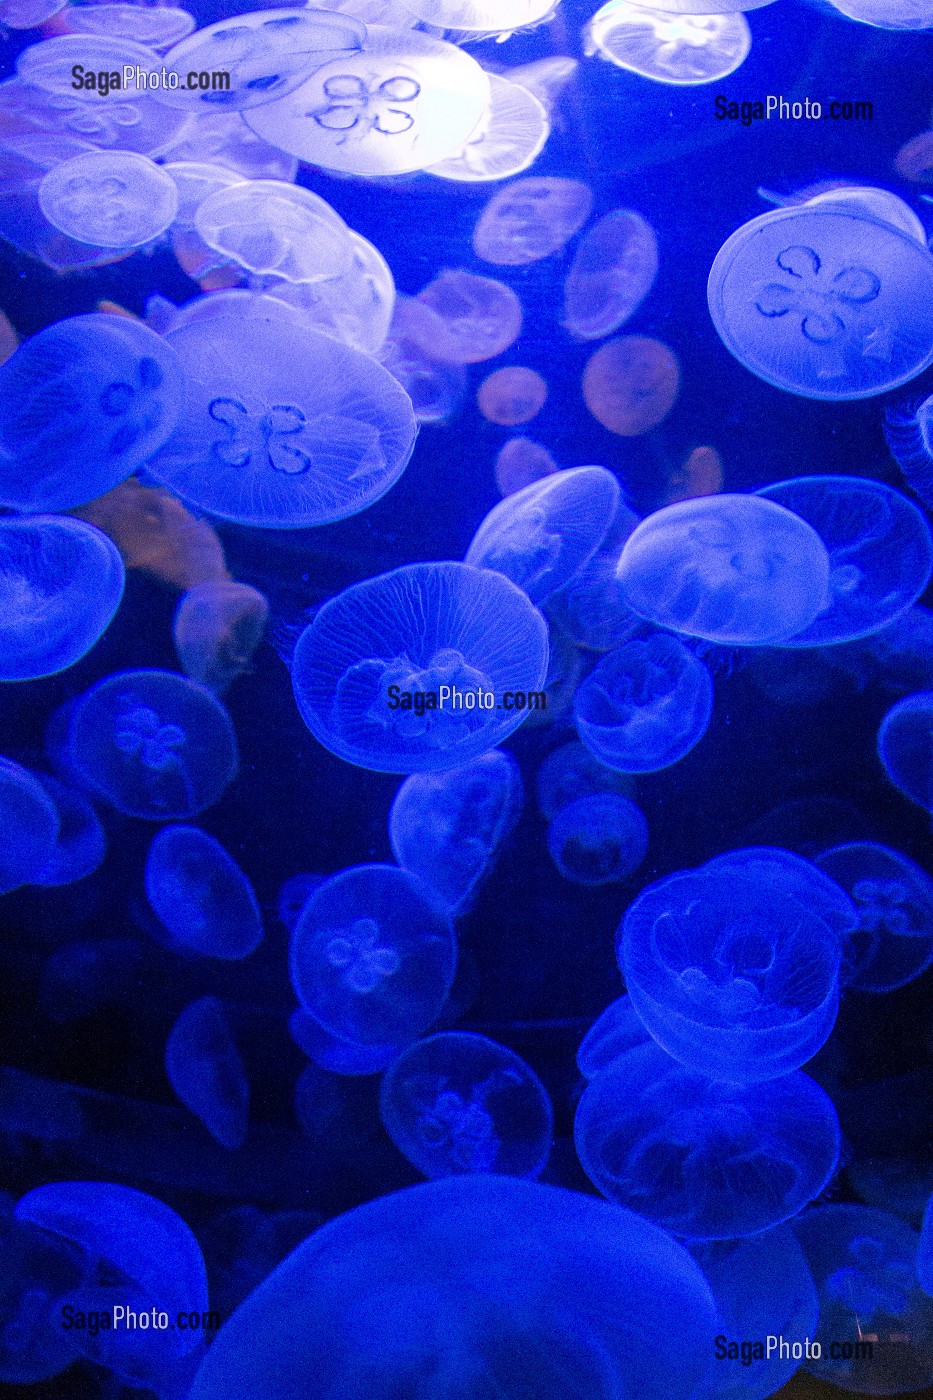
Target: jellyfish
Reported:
[(631, 384), (79, 979), (30, 822), (914, 160), (446, 828), (705, 1159), (50, 65), (615, 1031), (506, 141), (905, 747), (195, 181), (331, 1053), (545, 78), (480, 316), (909, 434), (373, 955), (511, 396), (892, 941), (734, 569), (925, 1250), (223, 138), (863, 1263), (402, 103), (497, 16), (571, 772), (887, 14), (156, 27), (730, 974), (154, 533), (599, 839), (406, 672), (217, 627), (520, 463), (153, 744), (37, 1271), (645, 706), (61, 582), (539, 537), (356, 308), (682, 49), (294, 894), (700, 475), (591, 608), (28, 14), (530, 219), (80, 846), (47, 127), (565, 667), (613, 270), (201, 895), (243, 1245), (82, 404), (205, 1070), (270, 227), (411, 355), (785, 872)]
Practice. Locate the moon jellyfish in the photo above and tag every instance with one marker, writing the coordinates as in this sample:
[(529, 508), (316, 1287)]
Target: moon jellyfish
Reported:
[(571, 772), (446, 828), (545, 78), (217, 627), (735, 569), (887, 14), (80, 979), (905, 747), (356, 308), (82, 405), (787, 873), (405, 672), (925, 1250), (704, 1159), (495, 16), (154, 533), (373, 955), (154, 26), (863, 1263), (892, 942), (387, 1295), (679, 48), (28, 14), (195, 181), (403, 103), (61, 582), (598, 839), (615, 1031), (914, 160), (334, 1055), (700, 475), (732, 976), (201, 895), (270, 227), (507, 140), (613, 270), (631, 384), (481, 317), (30, 823), (223, 138), (285, 428), (539, 537), (457, 1102), (205, 1070), (520, 463), (591, 608), (47, 127), (153, 744), (80, 846), (530, 219), (511, 396), (645, 706), (435, 387)]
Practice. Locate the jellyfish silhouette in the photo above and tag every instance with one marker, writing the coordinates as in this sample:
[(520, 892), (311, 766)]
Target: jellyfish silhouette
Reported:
[(80, 846), (217, 627), (892, 942), (29, 14), (80, 979), (598, 839), (530, 219), (591, 608), (679, 48), (406, 671), (909, 433), (201, 895), (111, 199), (571, 772), (520, 463), (615, 1031), (631, 384), (30, 823), (700, 475), (512, 396), (612, 272), (205, 1070), (480, 317), (273, 228), (905, 747), (506, 141)]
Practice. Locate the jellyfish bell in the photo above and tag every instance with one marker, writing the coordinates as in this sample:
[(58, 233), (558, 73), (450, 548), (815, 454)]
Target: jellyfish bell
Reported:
[(480, 317), (31, 826), (520, 463), (507, 140), (613, 270), (598, 839), (497, 16), (271, 227), (155, 26), (905, 747), (512, 396), (195, 181), (876, 203), (223, 138), (201, 895), (631, 384), (218, 625), (50, 64), (887, 14), (530, 219), (204, 1068), (111, 199), (683, 48), (892, 941)]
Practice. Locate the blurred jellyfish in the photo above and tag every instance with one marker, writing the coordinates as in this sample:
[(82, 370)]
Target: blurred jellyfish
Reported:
[(925, 1250), (195, 181), (268, 226), (153, 744), (700, 475), (545, 78), (373, 955), (905, 747), (37, 1271), (61, 582), (613, 270), (217, 627), (511, 396), (404, 673), (571, 772), (615, 1031), (507, 140), (30, 823), (205, 1070), (294, 894), (893, 940), (155, 26), (80, 846), (785, 872), (645, 706), (520, 463), (888, 14), (28, 14), (457, 1102), (411, 355), (201, 895), (730, 568), (223, 138), (50, 65), (480, 317), (598, 839), (704, 1159), (531, 219), (909, 432), (243, 1245), (154, 533), (356, 308), (331, 1053), (631, 384), (48, 127), (668, 47), (565, 666), (914, 161), (496, 16), (591, 608)]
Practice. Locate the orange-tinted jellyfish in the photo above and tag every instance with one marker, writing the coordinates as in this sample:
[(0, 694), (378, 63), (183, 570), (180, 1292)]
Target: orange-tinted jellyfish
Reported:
[(914, 161), (154, 532), (218, 625), (700, 475), (512, 395), (630, 384), (521, 462), (9, 340)]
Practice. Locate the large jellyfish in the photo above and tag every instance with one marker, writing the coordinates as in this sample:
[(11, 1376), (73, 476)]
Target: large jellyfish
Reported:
[(268, 226), (512, 396), (631, 384), (480, 317), (408, 671), (612, 272), (201, 895), (785, 872), (571, 772), (112, 199), (30, 823), (205, 1070), (530, 219), (520, 463), (598, 839), (508, 139), (218, 625), (892, 942), (411, 355), (678, 48), (905, 747)]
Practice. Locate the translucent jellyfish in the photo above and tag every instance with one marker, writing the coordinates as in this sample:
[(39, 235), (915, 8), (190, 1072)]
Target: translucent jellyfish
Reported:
[(598, 840), (154, 533), (565, 667), (294, 894), (205, 1070), (373, 955), (201, 895), (530, 219), (436, 387), (905, 747), (80, 846), (705, 1159), (403, 103), (785, 872), (539, 537), (28, 14), (30, 823), (682, 49), (356, 308), (825, 300), (481, 317), (591, 608), (331, 1053), (520, 463), (700, 475), (113, 199), (50, 64), (511, 396), (613, 270), (925, 1250), (405, 672), (446, 828), (155, 26), (497, 16), (82, 405), (61, 582), (82, 978), (863, 1263), (47, 127), (732, 976), (153, 744), (507, 140), (284, 429), (545, 78), (37, 1271), (893, 940), (631, 384), (223, 138), (217, 627), (730, 568), (390, 1294), (571, 772), (914, 160), (615, 1031), (268, 226), (645, 706), (195, 181), (888, 14)]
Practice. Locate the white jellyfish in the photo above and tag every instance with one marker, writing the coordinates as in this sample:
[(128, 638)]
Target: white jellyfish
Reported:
[(268, 226), (612, 272), (495, 16), (111, 199), (546, 78), (668, 47), (55, 65), (195, 180), (223, 138), (507, 141)]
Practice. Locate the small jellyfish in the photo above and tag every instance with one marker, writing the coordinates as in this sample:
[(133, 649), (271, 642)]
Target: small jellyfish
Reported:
[(892, 942), (645, 706), (734, 569), (373, 955), (47, 127), (497, 16), (598, 840), (112, 199), (480, 316), (700, 475), (458, 1102), (217, 627), (571, 772), (905, 747), (201, 895), (154, 533), (411, 355), (157, 27), (615, 1031), (30, 822), (511, 396), (785, 872), (331, 1053), (705, 1159), (506, 141), (613, 270), (81, 844), (520, 463), (153, 744), (682, 49), (79, 979), (273, 228), (631, 384), (405, 672), (530, 219), (205, 1070)]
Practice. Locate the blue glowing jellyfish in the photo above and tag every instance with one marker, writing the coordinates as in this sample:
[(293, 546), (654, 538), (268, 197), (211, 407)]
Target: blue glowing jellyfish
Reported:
[(613, 270), (81, 845), (901, 657), (409, 353), (110, 199), (506, 141), (37, 1273), (905, 747), (678, 48), (496, 15), (734, 977), (484, 1284), (530, 219), (447, 827), (909, 431), (154, 26), (733, 569), (705, 1159), (61, 582), (422, 668), (598, 839), (331, 1053), (82, 405), (201, 895), (645, 706), (30, 823), (153, 744), (278, 229), (373, 955), (81, 978), (892, 942), (571, 772), (925, 1250), (615, 1030), (591, 608), (294, 894), (205, 1070), (876, 1324), (811, 884)]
